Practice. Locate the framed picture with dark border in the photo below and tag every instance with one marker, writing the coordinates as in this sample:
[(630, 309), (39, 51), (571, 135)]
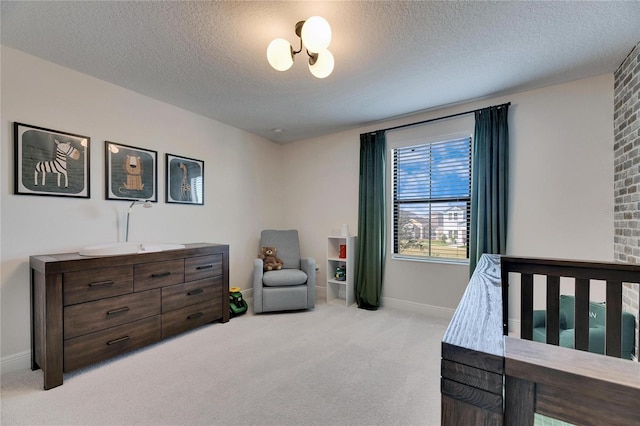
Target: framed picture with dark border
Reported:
[(185, 180), (131, 173), (50, 162)]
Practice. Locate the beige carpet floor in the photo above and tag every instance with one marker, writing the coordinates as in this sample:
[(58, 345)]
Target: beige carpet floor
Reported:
[(330, 366)]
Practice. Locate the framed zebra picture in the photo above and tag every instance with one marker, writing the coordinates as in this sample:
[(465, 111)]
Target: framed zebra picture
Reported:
[(50, 162), (185, 180), (131, 173)]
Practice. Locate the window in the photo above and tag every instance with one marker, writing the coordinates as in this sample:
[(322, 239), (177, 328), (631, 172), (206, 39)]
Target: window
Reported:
[(432, 199)]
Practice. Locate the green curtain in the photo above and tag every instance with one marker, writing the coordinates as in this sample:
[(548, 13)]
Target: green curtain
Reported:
[(371, 220), (489, 184)]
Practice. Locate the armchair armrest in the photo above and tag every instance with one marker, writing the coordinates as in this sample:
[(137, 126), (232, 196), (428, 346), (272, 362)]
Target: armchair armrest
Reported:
[(258, 272), (308, 266)]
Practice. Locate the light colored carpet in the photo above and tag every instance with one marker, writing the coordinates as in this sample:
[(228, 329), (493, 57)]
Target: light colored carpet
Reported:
[(330, 366)]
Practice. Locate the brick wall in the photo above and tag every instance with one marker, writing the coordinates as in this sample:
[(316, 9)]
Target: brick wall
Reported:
[(626, 124)]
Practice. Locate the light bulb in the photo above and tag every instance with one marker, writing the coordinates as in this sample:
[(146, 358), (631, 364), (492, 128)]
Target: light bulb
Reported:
[(316, 34), (323, 66), (279, 54)]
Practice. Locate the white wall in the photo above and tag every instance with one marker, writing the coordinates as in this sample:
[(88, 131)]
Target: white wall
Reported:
[(241, 170), (561, 187), (561, 194)]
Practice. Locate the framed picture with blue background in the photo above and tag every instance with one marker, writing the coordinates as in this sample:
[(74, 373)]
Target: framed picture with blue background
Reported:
[(185, 180), (50, 162), (131, 173)]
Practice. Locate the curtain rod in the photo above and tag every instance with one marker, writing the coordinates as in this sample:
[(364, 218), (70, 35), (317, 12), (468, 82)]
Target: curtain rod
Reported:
[(439, 118)]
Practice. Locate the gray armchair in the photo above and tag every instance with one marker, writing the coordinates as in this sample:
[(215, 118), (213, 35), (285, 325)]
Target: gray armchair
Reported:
[(290, 288)]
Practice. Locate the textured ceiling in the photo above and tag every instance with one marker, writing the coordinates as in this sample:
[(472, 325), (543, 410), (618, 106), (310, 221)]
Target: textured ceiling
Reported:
[(392, 58)]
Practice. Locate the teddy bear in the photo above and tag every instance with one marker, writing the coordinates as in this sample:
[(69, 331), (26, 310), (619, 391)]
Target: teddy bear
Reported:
[(271, 262)]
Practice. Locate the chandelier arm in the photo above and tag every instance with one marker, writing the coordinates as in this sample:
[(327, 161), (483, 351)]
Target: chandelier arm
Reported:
[(295, 52), (298, 30), (313, 57)]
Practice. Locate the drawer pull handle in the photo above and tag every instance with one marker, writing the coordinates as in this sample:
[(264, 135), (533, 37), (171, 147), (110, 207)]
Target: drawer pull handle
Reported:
[(194, 292), (209, 266), (119, 310), (160, 275), (122, 339), (100, 283), (194, 316)]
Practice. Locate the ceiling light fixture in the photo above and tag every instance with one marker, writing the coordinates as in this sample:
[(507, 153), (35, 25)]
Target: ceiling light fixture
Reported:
[(315, 34)]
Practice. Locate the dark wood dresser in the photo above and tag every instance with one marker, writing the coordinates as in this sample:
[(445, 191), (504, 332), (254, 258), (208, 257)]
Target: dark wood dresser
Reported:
[(88, 309)]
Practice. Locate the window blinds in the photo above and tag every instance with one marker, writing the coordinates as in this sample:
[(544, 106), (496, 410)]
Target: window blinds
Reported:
[(431, 198)]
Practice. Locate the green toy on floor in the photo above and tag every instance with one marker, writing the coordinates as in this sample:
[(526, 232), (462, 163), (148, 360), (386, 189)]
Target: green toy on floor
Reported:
[(237, 305)]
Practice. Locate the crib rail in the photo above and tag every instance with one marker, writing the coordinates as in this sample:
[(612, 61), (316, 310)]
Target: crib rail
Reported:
[(488, 378), (573, 386), (614, 274)]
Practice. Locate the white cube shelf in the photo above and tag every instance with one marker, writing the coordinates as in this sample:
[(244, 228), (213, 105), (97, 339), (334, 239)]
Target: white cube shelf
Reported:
[(341, 292)]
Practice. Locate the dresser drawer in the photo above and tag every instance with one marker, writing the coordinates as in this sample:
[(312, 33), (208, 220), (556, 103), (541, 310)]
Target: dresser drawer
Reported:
[(177, 296), (95, 347), (196, 268), (93, 316), (158, 274), (189, 317), (94, 284)]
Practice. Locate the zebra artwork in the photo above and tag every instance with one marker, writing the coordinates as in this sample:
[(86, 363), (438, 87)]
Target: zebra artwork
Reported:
[(59, 165)]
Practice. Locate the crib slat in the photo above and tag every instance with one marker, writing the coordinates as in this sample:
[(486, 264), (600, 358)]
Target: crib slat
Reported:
[(526, 307), (504, 279), (582, 314), (614, 319), (553, 310)]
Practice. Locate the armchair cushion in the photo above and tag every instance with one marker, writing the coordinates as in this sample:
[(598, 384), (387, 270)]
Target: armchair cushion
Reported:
[(284, 277)]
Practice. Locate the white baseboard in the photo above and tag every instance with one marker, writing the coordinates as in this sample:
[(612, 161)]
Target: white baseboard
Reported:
[(420, 308), (19, 361), (514, 327), (247, 293)]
